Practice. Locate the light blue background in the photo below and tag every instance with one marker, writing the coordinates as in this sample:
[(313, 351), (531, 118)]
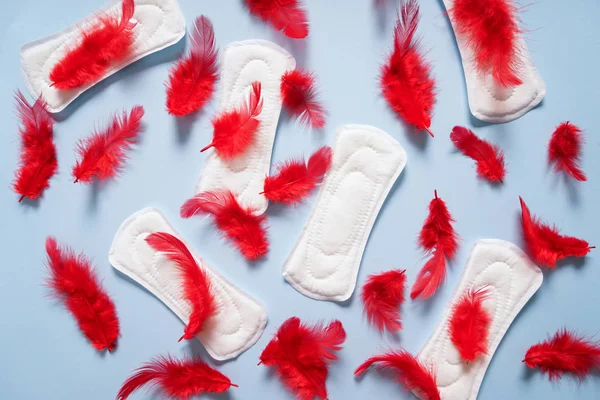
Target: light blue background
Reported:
[(44, 356)]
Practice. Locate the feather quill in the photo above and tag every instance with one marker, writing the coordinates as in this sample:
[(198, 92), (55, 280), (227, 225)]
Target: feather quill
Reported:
[(489, 157), (470, 324), (382, 296), (564, 150), (299, 97), (283, 15)]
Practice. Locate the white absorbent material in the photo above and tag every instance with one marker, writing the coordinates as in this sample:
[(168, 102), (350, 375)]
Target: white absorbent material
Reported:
[(242, 64), (324, 262), (491, 102), (159, 24), (512, 278), (239, 320)]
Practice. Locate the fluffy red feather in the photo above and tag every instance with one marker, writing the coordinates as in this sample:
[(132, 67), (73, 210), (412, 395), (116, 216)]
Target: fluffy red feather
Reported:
[(301, 354), (74, 282), (382, 296), (236, 129), (283, 15), (491, 30), (196, 283), (299, 97), (545, 244), (240, 224), (489, 157), (102, 155), (412, 374), (564, 150), (564, 353), (192, 80), (406, 81), (176, 379), (37, 163), (470, 324), (295, 180), (108, 41), (437, 233)]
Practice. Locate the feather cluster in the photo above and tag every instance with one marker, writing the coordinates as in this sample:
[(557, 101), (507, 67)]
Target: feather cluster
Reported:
[(295, 180), (406, 82), (108, 41), (299, 97), (470, 324), (488, 157), (301, 355), (197, 289), (412, 374), (103, 154), (564, 150), (545, 244), (176, 379), (240, 224), (74, 282), (192, 80), (283, 15), (382, 296), (38, 161)]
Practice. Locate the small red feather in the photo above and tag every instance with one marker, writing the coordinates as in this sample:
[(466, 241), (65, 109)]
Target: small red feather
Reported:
[(102, 155), (299, 97), (412, 374), (382, 296), (283, 15), (301, 354), (176, 379), (73, 281), (294, 180), (235, 130), (470, 324), (489, 157), (239, 224), (491, 30), (37, 163), (108, 41), (564, 150), (196, 283), (192, 80), (406, 82), (564, 353), (545, 244)]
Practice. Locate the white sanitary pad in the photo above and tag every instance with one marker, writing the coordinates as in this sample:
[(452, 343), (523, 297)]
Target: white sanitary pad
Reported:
[(243, 63), (491, 102), (159, 24), (324, 262), (511, 279), (239, 320)]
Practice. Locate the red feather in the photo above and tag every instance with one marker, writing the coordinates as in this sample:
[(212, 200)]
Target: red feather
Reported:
[(299, 97), (489, 157), (196, 284), (564, 150), (108, 41), (102, 155), (176, 379), (566, 352), (437, 233), (301, 355), (412, 374), (470, 324), (192, 80), (235, 130), (73, 281), (491, 30), (237, 223), (545, 244), (294, 180), (37, 162), (382, 296), (283, 15), (406, 81)]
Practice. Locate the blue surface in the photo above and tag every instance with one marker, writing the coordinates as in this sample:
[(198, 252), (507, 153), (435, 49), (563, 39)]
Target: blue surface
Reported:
[(42, 353)]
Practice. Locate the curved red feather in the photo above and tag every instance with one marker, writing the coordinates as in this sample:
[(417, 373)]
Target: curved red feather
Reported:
[(564, 150), (196, 283), (299, 97), (107, 41), (382, 296), (430, 277), (73, 281), (283, 15), (489, 157), (470, 324)]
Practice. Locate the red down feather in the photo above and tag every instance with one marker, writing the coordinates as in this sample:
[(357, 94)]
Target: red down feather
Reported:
[(283, 15), (564, 150), (382, 296), (299, 98), (488, 157), (470, 324)]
